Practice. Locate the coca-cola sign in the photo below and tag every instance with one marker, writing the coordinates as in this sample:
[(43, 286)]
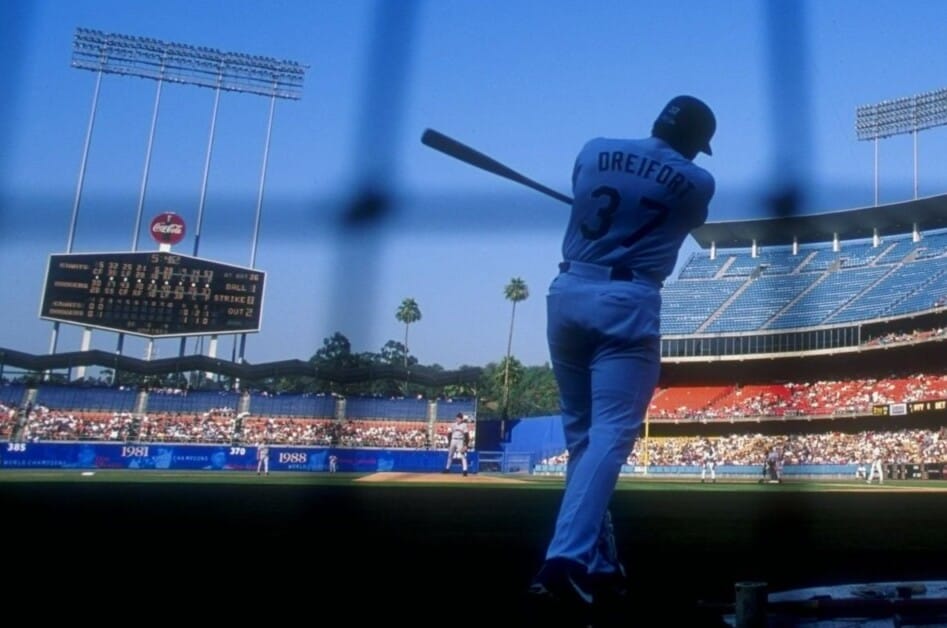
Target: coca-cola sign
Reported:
[(167, 228)]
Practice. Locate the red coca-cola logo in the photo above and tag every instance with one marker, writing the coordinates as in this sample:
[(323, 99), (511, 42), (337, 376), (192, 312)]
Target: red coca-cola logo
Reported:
[(167, 228)]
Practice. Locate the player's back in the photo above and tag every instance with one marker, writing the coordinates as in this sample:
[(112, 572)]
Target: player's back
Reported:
[(635, 202)]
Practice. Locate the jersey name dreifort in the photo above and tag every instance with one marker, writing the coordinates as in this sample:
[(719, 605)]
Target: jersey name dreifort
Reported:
[(646, 168)]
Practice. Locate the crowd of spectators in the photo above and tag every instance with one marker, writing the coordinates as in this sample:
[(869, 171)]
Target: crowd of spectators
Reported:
[(339, 433), (918, 335), (898, 446), (220, 425), (808, 399), (850, 397), (907, 446)]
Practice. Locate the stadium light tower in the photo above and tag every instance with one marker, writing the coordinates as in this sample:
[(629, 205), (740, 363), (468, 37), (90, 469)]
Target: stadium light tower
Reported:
[(143, 57), (897, 117)]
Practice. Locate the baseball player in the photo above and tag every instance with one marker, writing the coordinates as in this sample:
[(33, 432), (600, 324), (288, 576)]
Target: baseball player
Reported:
[(458, 439), (263, 458), (708, 469), (636, 200), (876, 468), (773, 467)]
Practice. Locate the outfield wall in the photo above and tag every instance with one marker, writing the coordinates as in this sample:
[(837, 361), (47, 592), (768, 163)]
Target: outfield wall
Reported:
[(723, 471), (179, 456), (182, 456), (906, 471)]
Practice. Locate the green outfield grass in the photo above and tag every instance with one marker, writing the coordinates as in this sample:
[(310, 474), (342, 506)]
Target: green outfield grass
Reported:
[(477, 481)]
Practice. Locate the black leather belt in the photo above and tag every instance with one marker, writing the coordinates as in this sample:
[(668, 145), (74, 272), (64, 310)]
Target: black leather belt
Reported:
[(615, 273)]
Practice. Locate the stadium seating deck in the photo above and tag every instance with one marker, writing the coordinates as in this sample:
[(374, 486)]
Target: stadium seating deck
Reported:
[(815, 286)]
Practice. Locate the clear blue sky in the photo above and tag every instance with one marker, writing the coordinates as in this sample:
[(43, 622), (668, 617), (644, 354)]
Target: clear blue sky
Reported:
[(524, 81)]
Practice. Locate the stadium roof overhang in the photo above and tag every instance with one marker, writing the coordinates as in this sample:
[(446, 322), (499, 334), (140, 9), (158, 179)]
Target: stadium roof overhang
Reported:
[(925, 214)]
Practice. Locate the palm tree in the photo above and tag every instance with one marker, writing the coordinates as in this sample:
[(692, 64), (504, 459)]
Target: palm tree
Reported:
[(515, 291), (408, 312)]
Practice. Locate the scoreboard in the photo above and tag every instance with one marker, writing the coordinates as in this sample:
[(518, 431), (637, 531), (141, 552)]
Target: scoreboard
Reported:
[(152, 294), (911, 407)]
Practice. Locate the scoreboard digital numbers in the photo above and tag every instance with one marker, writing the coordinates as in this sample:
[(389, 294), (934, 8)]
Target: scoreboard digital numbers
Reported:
[(152, 294)]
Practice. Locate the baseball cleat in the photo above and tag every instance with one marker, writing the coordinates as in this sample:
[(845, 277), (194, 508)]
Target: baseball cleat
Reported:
[(563, 590)]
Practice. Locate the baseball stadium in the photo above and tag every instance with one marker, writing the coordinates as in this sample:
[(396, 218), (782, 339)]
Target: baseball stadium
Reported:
[(819, 337), (796, 445)]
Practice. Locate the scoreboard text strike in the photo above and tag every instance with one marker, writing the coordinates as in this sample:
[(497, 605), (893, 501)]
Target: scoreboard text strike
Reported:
[(152, 294)]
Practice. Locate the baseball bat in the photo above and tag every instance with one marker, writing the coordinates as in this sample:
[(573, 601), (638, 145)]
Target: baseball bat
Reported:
[(457, 150)]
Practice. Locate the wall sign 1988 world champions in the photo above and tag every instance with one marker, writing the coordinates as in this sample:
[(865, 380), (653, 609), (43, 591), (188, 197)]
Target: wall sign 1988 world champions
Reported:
[(152, 294)]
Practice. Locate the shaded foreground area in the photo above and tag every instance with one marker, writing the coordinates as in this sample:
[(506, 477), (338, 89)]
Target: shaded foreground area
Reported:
[(433, 555)]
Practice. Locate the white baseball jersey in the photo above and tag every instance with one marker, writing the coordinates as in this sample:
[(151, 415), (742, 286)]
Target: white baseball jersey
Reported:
[(458, 432)]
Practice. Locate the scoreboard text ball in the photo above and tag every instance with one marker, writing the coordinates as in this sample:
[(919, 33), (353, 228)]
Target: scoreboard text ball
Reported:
[(152, 294)]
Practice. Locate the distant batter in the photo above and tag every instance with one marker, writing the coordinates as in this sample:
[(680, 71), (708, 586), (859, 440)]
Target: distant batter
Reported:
[(458, 441)]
